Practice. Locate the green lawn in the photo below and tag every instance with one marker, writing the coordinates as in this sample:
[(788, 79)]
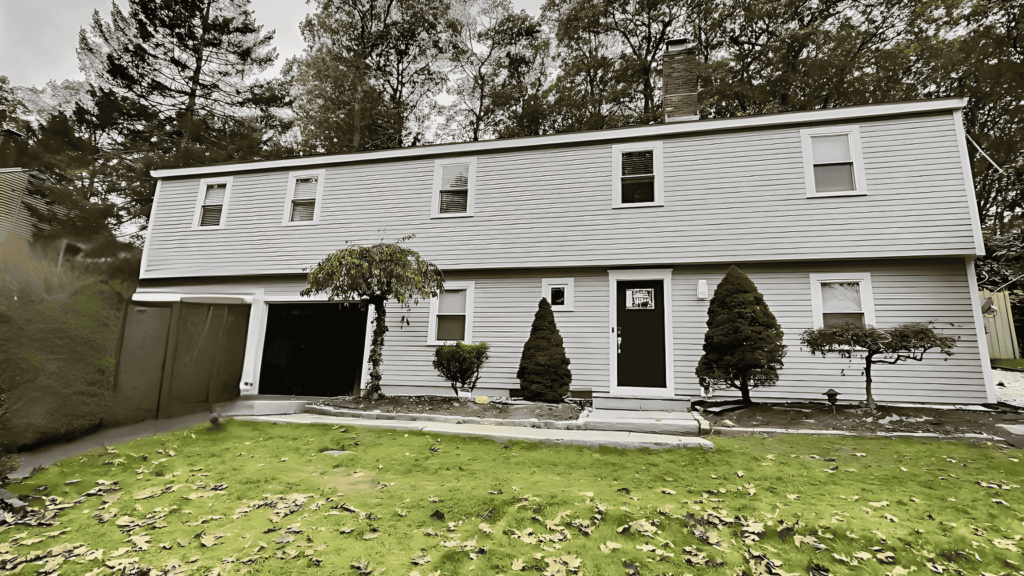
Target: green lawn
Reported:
[(262, 499)]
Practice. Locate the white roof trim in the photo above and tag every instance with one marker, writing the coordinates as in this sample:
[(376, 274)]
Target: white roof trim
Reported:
[(655, 131)]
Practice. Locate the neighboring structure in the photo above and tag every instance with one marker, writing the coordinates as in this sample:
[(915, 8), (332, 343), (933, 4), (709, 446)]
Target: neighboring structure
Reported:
[(999, 325), (863, 214), (15, 198)]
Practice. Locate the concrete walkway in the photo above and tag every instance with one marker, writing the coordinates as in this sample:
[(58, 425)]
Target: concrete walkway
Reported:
[(501, 433), (52, 454)]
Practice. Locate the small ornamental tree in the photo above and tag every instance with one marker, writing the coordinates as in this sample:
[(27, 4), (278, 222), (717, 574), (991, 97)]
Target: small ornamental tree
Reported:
[(743, 346), (888, 346), (544, 368), (460, 364), (372, 275)]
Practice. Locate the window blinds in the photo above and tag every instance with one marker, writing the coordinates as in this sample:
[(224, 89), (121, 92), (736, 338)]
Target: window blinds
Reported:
[(213, 205), (454, 189), (304, 200)]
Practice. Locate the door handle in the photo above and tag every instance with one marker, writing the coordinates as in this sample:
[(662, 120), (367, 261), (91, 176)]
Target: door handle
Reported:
[(619, 340)]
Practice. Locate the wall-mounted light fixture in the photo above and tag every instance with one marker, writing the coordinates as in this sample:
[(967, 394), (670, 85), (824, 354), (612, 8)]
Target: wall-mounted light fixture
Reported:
[(702, 289)]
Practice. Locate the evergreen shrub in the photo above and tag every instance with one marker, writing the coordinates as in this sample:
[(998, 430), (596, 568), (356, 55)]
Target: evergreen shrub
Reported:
[(743, 346), (460, 364), (544, 373)]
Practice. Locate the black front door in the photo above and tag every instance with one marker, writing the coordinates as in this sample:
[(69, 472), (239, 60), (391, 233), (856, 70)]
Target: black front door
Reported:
[(640, 333)]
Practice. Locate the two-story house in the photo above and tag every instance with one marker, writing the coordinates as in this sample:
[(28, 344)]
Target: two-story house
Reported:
[(863, 213)]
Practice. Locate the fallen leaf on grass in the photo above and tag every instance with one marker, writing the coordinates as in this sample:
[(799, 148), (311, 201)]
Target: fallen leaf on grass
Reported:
[(739, 474), (607, 547), (486, 528), (879, 504), (420, 560), (518, 565), (667, 491), (363, 567), (792, 496), (371, 536), (891, 518)]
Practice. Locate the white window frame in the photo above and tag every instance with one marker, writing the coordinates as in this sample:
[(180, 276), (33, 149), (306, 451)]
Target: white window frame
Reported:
[(859, 181), (203, 183), (867, 297), (469, 287), (435, 202), (659, 178), (293, 177), (568, 283)]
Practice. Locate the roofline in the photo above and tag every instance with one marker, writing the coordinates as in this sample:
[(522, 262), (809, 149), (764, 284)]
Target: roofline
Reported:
[(651, 131)]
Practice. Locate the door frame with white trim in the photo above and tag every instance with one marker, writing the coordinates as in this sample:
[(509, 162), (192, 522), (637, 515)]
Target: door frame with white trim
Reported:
[(614, 276)]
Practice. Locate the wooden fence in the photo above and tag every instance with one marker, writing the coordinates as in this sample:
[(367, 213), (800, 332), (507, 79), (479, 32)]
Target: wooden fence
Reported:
[(999, 332)]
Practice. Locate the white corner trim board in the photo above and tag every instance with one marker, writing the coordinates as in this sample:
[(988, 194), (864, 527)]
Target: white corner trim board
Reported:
[(620, 134), (972, 197), (979, 327)]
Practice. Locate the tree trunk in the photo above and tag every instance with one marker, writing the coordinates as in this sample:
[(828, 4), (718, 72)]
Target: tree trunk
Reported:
[(745, 390), (197, 72), (380, 328), (867, 379)]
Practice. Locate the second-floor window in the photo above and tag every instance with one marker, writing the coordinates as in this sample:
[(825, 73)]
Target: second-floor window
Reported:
[(305, 195), (454, 185), (212, 203), (637, 175), (832, 161)]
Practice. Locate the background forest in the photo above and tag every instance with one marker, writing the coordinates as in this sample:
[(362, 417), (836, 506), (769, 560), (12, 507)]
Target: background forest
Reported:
[(176, 83)]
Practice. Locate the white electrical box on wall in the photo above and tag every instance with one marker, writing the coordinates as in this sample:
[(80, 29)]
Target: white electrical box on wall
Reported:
[(702, 289)]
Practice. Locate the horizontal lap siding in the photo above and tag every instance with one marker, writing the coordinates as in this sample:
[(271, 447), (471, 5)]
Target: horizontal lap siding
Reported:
[(904, 291), (728, 196), (503, 310), (505, 303)]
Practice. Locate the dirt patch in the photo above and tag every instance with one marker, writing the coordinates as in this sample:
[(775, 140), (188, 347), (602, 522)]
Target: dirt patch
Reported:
[(439, 405), (815, 416)]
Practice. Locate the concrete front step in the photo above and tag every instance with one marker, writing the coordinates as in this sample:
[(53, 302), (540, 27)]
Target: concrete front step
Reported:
[(618, 439), (256, 405), (674, 423), (631, 402)]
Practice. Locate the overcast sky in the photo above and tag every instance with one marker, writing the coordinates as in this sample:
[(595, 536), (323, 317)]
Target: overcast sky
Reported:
[(38, 37)]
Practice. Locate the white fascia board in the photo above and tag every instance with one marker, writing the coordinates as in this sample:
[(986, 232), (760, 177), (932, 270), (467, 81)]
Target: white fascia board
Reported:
[(655, 131)]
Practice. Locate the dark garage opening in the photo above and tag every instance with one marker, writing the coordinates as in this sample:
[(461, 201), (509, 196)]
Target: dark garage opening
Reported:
[(313, 349)]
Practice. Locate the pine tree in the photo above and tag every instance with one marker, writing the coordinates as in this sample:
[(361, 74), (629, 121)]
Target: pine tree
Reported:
[(743, 346), (544, 368)]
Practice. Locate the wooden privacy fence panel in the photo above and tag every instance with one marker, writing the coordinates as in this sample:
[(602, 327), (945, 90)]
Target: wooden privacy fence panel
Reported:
[(999, 332)]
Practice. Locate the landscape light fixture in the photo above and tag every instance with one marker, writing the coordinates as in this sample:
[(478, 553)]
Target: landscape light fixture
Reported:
[(833, 397)]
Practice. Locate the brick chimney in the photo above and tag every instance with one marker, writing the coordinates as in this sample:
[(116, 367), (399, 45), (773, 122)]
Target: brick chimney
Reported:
[(679, 81)]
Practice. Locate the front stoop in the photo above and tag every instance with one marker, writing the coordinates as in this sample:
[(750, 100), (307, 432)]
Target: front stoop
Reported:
[(627, 402), (645, 422), (669, 415), (257, 405)]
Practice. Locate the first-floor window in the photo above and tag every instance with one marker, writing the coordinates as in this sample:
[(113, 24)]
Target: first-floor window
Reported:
[(451, 313), (842, 298), (559, 292)]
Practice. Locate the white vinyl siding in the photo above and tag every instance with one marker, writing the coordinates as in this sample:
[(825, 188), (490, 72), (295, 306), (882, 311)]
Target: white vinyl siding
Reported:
[(505, 302), (454, 187), (212, 204), (730, 196), (304, 197), (833, 162)]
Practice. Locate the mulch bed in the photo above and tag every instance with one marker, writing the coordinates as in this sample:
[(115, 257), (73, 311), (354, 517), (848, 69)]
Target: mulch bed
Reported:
[(440, 405), (855, 419)]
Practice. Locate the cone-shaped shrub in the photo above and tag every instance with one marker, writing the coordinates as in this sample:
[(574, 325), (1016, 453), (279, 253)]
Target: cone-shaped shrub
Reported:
[(544, 374), (743, 346)]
